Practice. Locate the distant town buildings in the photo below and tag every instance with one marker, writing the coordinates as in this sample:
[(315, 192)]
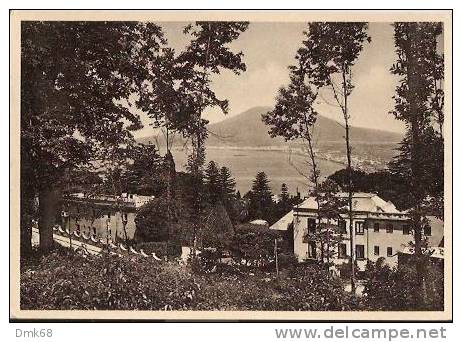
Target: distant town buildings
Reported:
[(379, 230), (102, 216)]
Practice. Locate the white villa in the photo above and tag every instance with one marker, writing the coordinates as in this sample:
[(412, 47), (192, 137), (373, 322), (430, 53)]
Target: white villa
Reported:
[(379, 230), (102, 216)]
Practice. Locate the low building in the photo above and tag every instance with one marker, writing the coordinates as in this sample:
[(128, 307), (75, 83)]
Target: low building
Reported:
[(379, 230), (102, 216)]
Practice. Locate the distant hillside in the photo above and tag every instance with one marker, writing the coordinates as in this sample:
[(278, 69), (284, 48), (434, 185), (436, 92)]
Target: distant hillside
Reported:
[(247, 129)]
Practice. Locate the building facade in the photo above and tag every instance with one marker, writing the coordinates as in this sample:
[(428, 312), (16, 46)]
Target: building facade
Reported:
[(102, 216), (379, 230)]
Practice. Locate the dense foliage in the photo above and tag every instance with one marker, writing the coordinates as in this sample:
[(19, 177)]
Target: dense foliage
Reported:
[(391, 289), (69, 281), (152, 221), (76, 79), (254, 244)]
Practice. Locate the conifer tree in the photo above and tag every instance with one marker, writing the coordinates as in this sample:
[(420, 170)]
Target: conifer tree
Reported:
[(227, 185), (261, 202), (212, 182)]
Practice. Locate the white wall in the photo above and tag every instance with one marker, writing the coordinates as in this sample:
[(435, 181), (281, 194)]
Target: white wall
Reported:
[(397, 240)]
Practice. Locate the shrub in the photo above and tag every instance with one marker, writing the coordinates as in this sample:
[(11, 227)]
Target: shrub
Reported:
[(152, 221), (254, 245), (389, 288), (65, 281)]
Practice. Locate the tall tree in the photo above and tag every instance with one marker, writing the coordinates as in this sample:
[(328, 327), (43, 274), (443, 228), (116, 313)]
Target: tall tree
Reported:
[(261, 202), (416, 50), (207, 54), (227, 185), (212, 182), (75, 77), (228, 195), (328, 55), (293, 117)]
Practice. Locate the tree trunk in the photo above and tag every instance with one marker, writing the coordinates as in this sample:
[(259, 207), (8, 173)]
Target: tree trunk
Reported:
[(49, 198), (416, 171), (315, 180), (27, 209), (350, 181), (350, 213)]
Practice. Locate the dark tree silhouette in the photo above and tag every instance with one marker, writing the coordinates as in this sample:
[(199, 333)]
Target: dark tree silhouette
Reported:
[(75, 79), (212, 182), (261, 202), (418, 102)]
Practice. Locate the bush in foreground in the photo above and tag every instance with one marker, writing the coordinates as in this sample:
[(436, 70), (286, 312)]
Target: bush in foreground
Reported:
[(63, 280), (392, 289)]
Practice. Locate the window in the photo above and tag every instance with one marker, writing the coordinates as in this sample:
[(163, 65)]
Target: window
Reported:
[(342, 226), (342, 250), (376, 227), (406, 229), (311, 226), (94, 230), (428, 230), (389, 228), (359, 251), (389, 251), (359, 227), (108, 214), (312, 249), (376, 250)]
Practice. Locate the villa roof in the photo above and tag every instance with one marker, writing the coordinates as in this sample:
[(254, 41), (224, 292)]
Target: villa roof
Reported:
[(362, 202), (284, 222), (130, 200)]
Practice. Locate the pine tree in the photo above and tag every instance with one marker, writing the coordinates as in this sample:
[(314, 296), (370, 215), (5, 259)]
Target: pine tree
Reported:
[(227, 185), (261, 202), (212, 182)]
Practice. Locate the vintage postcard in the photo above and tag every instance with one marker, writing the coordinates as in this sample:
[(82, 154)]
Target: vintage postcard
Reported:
[(231, 165)]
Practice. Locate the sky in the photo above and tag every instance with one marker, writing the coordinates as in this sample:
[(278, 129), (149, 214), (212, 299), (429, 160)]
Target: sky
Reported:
[(269, 48)]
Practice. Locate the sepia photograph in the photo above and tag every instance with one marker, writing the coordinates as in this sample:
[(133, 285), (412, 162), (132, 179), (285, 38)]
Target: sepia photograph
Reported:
[(245, 165)]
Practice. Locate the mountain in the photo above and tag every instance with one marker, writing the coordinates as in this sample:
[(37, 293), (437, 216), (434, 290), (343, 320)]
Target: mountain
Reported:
[(247, 129)]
